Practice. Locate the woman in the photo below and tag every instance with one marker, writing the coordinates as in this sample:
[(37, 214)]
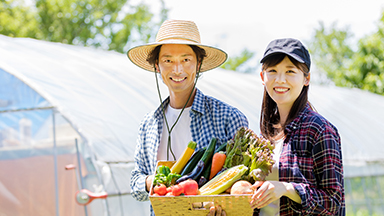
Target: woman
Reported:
[(307, 178)]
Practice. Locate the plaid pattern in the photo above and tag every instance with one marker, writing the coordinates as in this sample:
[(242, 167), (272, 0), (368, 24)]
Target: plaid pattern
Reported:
[(210, 118), (311, 160)]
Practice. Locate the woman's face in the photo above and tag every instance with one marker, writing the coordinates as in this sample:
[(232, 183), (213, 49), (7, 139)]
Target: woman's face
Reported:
[(284, 83), (177, 63)]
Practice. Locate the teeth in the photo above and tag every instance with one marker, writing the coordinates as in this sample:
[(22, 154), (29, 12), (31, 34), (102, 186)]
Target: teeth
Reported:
[(281, 89), (178, 80)]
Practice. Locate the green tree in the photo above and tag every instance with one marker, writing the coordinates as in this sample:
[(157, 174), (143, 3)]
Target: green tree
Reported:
[(109, 24), (361, 66), (17, 19), (237, 63)]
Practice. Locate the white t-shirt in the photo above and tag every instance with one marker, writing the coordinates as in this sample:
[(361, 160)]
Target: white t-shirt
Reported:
[(273, 209), (180, 136)]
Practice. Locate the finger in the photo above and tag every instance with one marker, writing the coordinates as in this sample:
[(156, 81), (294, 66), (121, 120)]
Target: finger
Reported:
[(212, 211), (264, 203), (263, 195), (259, 191), (260, 196), (223, 213), (259, 203), (257, 184), (218, 210)]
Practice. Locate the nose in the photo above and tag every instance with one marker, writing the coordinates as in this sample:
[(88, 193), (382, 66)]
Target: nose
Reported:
[(178, 68), (280, 78)]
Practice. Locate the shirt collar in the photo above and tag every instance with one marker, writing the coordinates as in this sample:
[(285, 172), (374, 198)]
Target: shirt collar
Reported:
[(159, 111), (198, 102), (293, 125)]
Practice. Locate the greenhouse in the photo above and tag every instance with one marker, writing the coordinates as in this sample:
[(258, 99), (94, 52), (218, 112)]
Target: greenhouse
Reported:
[(66, 105)]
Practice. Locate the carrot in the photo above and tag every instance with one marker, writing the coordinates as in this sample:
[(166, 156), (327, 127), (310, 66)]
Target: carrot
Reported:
[(218, 160)]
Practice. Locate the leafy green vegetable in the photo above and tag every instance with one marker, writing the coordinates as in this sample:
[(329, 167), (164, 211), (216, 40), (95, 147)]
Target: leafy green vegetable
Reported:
[(164, 176), (160, 178), (163, 170), (251, 150), (171, 178)]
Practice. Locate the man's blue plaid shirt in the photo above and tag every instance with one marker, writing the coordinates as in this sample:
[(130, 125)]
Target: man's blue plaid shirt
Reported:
[(210, 118)]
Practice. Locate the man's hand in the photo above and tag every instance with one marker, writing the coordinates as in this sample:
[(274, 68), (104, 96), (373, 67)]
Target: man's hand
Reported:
[(148, 182), (216, 211)]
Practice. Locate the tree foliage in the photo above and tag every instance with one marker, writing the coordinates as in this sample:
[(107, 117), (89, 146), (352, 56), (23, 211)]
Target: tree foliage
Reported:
[(109, 24), (237, 63), (360, 66)]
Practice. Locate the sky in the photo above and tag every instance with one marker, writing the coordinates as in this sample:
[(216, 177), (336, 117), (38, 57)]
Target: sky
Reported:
[(252, 24)]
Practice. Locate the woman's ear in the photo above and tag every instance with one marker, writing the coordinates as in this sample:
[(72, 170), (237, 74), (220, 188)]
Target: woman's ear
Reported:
[(262, 77), (307, 79)]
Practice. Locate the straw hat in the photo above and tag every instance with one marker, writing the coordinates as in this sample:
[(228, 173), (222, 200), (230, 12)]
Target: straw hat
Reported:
[(177, 32)]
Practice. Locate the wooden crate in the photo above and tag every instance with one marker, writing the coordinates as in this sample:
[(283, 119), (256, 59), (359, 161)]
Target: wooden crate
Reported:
[(233, 205)]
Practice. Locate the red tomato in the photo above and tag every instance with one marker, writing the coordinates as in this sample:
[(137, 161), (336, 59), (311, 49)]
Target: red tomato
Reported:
[(190, 187), (177, 190), (169, 189), (160, 189)]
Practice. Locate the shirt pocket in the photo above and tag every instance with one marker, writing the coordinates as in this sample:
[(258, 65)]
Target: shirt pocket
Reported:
[(303, 160)]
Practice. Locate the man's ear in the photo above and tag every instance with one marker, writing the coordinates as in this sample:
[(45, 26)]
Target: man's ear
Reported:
[(157, 68), (262, 77)]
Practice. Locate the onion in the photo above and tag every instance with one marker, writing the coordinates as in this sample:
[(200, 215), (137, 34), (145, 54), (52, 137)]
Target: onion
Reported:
[(241, 187)]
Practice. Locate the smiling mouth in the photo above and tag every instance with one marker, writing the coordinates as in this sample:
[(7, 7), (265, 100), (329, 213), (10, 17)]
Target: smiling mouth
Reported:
[(281, 90), (178, 79)]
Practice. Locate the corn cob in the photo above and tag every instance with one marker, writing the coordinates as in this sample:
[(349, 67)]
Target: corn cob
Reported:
[(223, 181), (185, 156)]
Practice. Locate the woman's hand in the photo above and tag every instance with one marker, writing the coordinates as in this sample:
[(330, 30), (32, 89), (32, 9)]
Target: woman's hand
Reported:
[(216, 211), (270, 191)]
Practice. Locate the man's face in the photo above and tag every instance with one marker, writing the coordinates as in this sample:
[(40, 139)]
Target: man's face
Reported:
[(177, 63)]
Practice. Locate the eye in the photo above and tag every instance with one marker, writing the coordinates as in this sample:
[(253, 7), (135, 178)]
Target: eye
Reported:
[(271, 71), (291, 71), (167, 60), (187, 60)]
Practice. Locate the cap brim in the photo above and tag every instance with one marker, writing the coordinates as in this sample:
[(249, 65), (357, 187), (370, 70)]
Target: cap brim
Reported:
[(297, 58), (215, 57)]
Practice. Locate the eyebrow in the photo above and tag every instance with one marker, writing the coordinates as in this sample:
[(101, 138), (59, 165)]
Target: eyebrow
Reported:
[(291, 66)]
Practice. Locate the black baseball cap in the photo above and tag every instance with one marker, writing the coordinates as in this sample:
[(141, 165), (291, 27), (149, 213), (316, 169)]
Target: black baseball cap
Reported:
[(289, 46)]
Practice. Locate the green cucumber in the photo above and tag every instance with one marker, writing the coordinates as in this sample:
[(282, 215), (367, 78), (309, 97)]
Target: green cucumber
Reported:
[(208, 154), (222, 147)]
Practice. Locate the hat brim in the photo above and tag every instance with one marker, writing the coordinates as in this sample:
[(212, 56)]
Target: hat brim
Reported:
[(215, 57), (297, 58)]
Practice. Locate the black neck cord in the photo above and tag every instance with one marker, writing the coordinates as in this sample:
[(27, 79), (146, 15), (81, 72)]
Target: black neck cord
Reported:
[(169, 148)]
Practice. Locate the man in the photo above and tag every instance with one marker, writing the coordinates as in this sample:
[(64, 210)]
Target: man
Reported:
[(187, 114)]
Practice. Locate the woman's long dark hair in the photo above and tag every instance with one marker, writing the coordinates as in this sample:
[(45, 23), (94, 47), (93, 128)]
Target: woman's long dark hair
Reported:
[(269, 112)]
